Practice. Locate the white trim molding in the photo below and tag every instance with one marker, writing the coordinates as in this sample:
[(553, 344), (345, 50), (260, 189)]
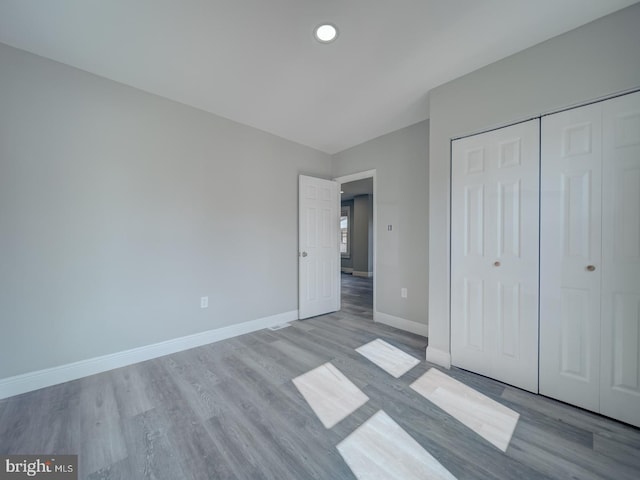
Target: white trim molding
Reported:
[(401, 323), (346, 269), (64, 373), (356, 176), (362, 274), (439, 357)]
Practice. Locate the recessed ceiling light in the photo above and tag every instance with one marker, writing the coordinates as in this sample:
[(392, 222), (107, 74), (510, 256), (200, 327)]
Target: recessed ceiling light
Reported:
[(326, 33)]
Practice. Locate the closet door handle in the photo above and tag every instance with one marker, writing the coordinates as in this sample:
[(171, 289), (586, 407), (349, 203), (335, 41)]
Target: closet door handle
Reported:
[(496, 263), (591, 268)]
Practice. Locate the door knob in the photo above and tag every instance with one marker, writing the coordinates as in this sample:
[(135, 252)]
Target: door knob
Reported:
[(496, 263), (304, 254), (591, 268)]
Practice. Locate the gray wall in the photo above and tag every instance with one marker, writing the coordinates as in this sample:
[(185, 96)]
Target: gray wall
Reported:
[(595, 60), (120, 209), (370, 265), (347, 262), (401, 196), (362, 209), (361, 232)]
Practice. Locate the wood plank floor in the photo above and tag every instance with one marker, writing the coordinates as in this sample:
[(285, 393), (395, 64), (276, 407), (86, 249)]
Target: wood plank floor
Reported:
[(229, 410)]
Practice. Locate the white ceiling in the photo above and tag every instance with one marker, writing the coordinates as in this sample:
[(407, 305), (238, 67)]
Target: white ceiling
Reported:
[(256, 61)]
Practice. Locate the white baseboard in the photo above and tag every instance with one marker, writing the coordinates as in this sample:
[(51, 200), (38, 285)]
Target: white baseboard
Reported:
[(346, 270), (362, 274), (64, 373), (439, 357), (401, 323)]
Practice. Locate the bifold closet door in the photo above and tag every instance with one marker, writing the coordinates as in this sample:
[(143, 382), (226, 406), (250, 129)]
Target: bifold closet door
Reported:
[(590, 257), (570, 263), (494, 254), (620, 329)]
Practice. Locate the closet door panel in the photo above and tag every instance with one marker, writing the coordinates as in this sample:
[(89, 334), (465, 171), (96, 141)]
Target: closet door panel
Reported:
[(494, 311), (620, 373), (570, 261), (515, 246), (471, 181)]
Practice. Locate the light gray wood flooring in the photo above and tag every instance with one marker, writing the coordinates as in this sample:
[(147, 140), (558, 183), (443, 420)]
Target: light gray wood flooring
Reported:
[(230, 411)]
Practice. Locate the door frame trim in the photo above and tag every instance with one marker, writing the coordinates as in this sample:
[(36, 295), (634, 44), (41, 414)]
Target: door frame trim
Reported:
[(352, 178)]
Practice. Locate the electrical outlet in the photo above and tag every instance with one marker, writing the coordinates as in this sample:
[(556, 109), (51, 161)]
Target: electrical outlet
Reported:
[(204, 302), (403, 292)]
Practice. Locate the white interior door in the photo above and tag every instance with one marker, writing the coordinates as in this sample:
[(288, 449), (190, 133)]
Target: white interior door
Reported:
[(319, 250), (494, 254), (570, 263), (620, 330)]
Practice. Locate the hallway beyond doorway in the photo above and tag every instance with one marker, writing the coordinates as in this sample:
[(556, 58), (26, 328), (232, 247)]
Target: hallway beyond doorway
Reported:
[(357, 295)]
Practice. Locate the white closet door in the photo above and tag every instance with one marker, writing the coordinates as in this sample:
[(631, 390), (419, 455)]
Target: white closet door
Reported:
[(620, 330), (570, 245), (494, 254)]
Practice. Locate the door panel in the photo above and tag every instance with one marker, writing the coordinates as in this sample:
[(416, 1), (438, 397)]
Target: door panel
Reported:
[(319, 281), (620, 366), (509, 219), (570, 242), (626, 330), (576, 193), (509, 319), (575, 342), (474, 314), (474, 221), (626, 217), (468, 304), (494, 285)]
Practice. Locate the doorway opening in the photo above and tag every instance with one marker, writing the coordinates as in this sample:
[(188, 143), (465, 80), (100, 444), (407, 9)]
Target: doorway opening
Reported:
[(357, 243)]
